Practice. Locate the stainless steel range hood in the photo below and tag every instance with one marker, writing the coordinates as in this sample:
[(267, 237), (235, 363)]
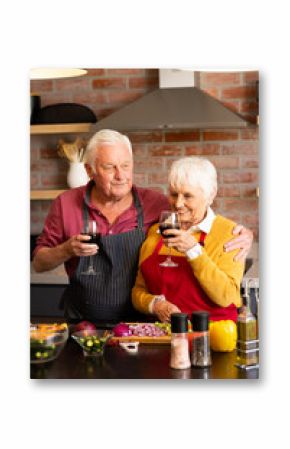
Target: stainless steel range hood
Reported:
[(171, 107)]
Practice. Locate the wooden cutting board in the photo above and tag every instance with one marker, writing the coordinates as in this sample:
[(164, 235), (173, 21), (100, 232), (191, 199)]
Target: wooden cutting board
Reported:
[(166, 339), (145, 340)]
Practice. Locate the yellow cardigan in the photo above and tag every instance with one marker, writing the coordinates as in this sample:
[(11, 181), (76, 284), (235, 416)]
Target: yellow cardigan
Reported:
[(217, 272)]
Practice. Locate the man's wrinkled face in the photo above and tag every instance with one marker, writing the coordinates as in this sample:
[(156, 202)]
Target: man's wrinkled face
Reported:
[(113, 170)]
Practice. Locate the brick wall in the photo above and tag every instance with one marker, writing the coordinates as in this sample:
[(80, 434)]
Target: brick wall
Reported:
[(234, 152)]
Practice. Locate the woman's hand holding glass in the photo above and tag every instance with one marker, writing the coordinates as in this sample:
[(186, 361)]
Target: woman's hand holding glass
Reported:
[(181, 240), (168, 220)]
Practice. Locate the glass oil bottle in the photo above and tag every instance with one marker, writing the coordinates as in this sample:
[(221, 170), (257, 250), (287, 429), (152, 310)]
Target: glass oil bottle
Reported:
[(248, 342)]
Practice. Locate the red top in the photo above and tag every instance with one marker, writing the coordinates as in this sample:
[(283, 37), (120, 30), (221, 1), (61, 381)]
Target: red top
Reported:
[(65, 218)]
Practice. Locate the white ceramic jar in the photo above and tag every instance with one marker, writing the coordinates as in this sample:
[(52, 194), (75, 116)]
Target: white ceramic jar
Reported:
[(77, 175)]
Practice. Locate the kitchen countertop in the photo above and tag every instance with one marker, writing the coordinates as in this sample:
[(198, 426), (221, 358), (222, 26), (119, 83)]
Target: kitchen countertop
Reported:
[(253, 272), (56, 276), (150, 362), (252, 275)]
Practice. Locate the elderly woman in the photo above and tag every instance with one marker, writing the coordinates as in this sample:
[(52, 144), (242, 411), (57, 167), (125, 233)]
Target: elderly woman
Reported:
[(205, 276)]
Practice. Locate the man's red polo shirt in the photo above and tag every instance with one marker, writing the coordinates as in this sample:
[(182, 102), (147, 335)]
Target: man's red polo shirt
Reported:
[(65, 218)]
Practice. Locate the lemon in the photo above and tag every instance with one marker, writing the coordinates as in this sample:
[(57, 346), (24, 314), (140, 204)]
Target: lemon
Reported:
[(223, 335)]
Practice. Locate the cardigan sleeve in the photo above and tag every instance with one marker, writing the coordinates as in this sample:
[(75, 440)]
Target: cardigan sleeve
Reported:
[(141, 298), (219, 276)]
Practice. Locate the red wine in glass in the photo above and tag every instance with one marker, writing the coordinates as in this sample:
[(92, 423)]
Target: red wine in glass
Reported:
[(168, 220), (95, 238), (165, 226), (91, 230)]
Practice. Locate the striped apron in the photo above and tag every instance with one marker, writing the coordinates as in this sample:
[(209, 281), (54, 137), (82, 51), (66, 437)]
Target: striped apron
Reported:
[(106, 297)]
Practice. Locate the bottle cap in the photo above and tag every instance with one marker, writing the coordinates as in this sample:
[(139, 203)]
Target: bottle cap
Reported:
[(179, 323), (199, 321)]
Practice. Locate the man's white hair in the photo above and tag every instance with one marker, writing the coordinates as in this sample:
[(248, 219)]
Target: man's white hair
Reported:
[(105, 136), (195, 172)]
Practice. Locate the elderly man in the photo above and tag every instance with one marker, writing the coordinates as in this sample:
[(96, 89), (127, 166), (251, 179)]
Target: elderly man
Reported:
[(123, 213)]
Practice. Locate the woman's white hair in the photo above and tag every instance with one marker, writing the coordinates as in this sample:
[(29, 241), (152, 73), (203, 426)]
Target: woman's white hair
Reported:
[(105, 136), (195, 172)]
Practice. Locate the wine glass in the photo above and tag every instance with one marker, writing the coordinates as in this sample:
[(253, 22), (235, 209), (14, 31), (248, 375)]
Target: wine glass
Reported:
[(168, 220), (91, 229)]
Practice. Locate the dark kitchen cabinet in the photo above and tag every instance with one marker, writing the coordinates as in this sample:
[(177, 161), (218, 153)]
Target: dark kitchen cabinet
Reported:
[(45, 300)]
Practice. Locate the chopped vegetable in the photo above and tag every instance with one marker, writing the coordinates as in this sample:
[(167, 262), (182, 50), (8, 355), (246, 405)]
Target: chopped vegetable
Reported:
[(149, 329), (91, 344), (47, 341)]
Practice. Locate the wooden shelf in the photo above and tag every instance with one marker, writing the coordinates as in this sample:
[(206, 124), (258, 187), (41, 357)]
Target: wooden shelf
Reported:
[(61, 128), (44, 194), (58, 128)]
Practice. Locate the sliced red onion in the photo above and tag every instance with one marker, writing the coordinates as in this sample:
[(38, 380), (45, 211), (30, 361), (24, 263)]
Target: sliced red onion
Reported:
[(147, 330)]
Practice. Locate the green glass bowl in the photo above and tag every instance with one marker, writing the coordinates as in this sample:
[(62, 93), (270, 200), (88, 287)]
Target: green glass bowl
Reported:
[(92, 342)]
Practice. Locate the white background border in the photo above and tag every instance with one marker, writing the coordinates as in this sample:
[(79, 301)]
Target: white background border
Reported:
[(222, 35)]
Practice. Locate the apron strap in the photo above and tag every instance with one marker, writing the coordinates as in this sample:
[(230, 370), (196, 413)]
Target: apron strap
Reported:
[(87, 200), (202, 238), (137, 204), (158, 246)]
